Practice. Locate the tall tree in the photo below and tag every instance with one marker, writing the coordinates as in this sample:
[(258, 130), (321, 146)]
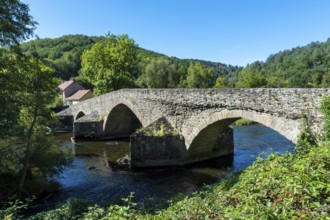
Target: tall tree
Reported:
[(16, 25), (34, 111), (27, 89), (220, 83), (33, 156), (198, 76), (109, 65), (251, 77), (8, 92), (160, 73)]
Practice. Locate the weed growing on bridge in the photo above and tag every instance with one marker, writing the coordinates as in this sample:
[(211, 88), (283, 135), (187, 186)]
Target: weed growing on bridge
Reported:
[(325, 108), (160, 128)]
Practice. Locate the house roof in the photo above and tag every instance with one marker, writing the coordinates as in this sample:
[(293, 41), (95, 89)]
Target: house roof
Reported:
[(79, 95), (65, 84)]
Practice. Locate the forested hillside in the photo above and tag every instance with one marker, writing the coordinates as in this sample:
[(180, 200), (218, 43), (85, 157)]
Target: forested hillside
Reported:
[(64, 54), (307, 66)]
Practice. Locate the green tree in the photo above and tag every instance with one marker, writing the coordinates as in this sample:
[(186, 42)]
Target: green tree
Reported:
[(220, 82), (29, 156), (160, 73), (34, 112), (109, 65), (27, 90), (251, 77), (16, 25), (8, 99), (198, 76)]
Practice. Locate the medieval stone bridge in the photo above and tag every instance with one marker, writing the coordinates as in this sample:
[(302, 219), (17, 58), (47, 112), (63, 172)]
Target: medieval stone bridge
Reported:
[(182, 126)]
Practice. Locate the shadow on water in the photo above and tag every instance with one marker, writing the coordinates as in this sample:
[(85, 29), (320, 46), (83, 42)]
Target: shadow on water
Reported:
[(90, 176)]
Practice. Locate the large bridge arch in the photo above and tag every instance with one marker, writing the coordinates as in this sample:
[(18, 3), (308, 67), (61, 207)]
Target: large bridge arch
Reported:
[(207, 120), (122, 119)]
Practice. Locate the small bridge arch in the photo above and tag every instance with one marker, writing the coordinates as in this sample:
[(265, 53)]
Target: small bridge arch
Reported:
[(80, 114), (122, 120)]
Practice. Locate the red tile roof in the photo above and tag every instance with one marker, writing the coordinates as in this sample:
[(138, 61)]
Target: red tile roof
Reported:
[(79, 95), (65, 84)]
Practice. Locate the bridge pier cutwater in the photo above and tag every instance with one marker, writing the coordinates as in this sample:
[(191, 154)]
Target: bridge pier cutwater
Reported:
[(182, 126)]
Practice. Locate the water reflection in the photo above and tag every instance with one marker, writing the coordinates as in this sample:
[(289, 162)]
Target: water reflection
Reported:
[(90, 177)]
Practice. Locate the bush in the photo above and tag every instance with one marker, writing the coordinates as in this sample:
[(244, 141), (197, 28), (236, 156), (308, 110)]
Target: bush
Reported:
[(325, 109)]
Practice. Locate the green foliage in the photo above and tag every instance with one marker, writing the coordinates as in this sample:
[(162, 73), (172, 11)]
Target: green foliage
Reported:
[(109, 65), (243, 122), (58, 102), (325, 108), (160, 73), (161, 131), (279, 187), (290, 186), (198, 76), (9, 73), (220, 83), (12, 210), (159, 128), (79, 209), (62, 54), (15, 22), (300, 67), (306, 139), (28, 156), (251, 77), (72, 209)]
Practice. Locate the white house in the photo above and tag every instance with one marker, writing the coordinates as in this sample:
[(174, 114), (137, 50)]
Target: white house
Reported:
[(68, 88)]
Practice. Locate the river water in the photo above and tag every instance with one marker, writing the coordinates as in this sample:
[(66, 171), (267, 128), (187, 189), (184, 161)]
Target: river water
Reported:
[(91, 178)]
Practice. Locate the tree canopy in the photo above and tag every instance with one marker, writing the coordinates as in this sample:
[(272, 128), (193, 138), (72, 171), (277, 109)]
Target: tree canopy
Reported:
[(160, 73), (109, 65), (64, 55), (307, 66), (16, 25)]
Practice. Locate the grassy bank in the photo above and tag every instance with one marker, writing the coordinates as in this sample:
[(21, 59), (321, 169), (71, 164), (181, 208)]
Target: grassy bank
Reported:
[(290, 186)]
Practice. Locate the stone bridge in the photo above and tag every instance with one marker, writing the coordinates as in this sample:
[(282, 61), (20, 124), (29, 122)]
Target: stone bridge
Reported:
[(182, 126)]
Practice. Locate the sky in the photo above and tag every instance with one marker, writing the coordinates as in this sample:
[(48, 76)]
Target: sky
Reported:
[(235, 32)]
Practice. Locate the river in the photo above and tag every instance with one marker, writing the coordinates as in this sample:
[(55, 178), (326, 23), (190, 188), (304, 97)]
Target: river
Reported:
[(91, 178)]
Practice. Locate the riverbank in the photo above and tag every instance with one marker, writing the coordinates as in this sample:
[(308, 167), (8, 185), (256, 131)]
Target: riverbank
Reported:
[(288, 186)]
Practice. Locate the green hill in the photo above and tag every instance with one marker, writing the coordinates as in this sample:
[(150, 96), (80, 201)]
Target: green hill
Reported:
[(63, 54), (307, 66)]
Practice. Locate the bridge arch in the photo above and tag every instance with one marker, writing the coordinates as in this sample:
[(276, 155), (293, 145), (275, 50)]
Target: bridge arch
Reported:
[(122, 120), (210, 121), (80, 114)]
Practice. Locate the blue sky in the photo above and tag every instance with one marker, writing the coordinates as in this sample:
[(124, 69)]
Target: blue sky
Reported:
[(235, 32)]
